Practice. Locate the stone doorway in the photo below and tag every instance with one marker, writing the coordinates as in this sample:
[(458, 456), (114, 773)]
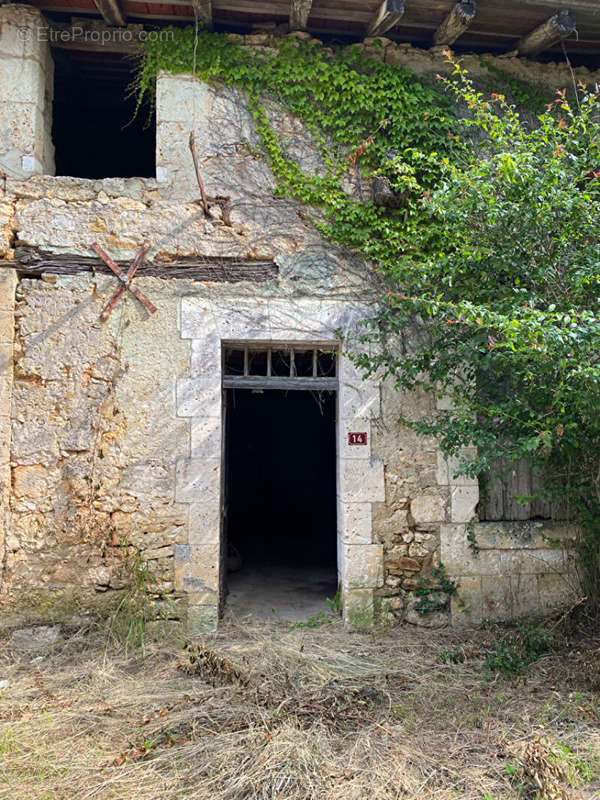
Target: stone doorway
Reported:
[(279, 498), (216, 325)]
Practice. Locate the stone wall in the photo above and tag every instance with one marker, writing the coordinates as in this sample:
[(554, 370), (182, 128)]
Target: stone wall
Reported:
[(27, 81), (8, 285), (115, 438), (509, 569)]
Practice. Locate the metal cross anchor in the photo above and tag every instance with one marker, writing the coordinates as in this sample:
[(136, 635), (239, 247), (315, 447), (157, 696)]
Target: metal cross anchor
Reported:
[(125, 280)]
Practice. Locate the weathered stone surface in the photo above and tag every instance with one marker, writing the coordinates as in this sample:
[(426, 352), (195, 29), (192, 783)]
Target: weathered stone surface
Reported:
[(403, 563), (427, 508), (363, 566), (463, 501), (198, 480), (359, 608), (35, 638), (361, 481), (355, 520)]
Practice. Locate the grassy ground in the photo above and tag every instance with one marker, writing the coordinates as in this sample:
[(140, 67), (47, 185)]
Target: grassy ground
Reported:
[(266, 711)]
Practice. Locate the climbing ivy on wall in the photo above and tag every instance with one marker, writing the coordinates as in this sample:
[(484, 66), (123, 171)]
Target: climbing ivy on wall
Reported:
[(360, 111)]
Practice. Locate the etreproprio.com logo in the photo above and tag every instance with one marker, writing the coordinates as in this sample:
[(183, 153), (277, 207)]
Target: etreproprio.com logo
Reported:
[(76, 33)]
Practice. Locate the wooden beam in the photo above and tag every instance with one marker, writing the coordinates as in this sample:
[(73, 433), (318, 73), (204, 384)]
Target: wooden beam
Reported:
[(111, 11), (455, 23), (31, 262), (299, 13), (260, 382), (388, 15), (203, 12), (554, 30)]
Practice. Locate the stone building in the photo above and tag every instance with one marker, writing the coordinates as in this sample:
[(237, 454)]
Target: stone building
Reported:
[(231, 411)]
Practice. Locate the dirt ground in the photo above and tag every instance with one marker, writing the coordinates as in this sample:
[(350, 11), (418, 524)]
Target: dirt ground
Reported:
[(277, 712)]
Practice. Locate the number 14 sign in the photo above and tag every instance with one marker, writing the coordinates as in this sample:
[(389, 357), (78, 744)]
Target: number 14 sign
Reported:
[(357, 438)]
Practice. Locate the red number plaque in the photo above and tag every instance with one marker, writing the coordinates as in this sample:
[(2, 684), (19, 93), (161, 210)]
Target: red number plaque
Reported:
[(357, 438)]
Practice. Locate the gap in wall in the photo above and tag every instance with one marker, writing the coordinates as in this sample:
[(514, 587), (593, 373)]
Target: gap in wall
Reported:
[(95, 130), (280, 501)]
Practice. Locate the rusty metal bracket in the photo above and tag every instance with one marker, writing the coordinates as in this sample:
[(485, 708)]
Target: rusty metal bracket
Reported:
[(125, 279)]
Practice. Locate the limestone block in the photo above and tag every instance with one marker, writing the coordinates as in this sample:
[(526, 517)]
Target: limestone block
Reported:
[(23, 80), (6, 377), (197, 569), (362, 566), (181, 228), (530, 562), (8, 285), (459, 558), (466, 607), (522, 535), (355, 520), (198, 480), (205, 357), (205, 566), (7, 208), (5, 424), (361, 481), (204, 523), (455, 553), (201, 619), (463, 501), (21, 128), (497, 598), (206, 437), (556, 590), (221, 116), (446, 469), (427, 509), (23, 33), (30, 482), (443, 471), (199, 397), (6, 327), (360, 402), (172, 150), (359, 608)]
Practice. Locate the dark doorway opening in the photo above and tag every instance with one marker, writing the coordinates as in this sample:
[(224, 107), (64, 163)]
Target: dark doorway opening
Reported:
[(96, 131), (280, 501)]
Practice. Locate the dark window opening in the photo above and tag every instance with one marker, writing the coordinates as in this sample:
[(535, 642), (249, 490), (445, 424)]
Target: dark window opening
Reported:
[(280, 501), (279, 367), (95, 131)]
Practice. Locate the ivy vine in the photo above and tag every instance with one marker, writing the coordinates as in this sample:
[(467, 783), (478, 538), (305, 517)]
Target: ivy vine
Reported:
[(524, 94), (357, 109)]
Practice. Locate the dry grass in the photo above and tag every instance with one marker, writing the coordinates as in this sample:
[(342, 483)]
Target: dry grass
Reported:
[(266, 712)]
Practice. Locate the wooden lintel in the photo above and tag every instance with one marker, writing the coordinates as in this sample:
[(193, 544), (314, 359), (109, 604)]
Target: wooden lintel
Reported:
[(455, 23), (203, 11), (555, 29), (262, 382), (299, 14), (388, 15), (111, 11), (31, 262)]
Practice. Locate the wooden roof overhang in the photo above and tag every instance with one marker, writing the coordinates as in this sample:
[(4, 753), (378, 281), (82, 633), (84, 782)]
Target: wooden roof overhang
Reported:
[(531, 27)]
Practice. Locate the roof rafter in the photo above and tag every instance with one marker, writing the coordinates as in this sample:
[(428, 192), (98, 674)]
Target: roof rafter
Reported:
[(555, 29), (111, 11), (299, 14), (456, 22), (203, 12), (388, 15)]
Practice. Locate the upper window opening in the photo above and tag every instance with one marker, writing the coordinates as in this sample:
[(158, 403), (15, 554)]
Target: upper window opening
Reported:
[(94, 131), (281, 366)]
